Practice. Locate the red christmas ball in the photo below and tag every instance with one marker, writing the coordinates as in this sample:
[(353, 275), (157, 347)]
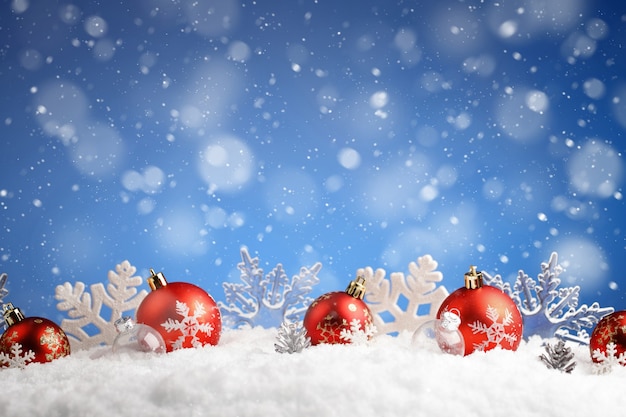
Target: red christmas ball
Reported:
[(610, 329), (331, 313), (184, 314), (489, 317), (44, 338)]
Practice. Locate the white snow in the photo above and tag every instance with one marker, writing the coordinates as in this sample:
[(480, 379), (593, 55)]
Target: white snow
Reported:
[(244, 376)]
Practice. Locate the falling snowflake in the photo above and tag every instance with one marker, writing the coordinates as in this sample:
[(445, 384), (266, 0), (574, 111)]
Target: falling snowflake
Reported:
[(189, 326), (496, 332), (267, 300), (291, 338), (16, 359), (547, 310), (3, 293), (120, 296), (607, 360), (357, 334), (404, 303)]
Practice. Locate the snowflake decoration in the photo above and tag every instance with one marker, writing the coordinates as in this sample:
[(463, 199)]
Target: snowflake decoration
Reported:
[(84, 309), (418, 290), (267, 300), (3, 293), (547, 310), (496, 332), (607, 360), (357, 335), (189, 326), (16, 359), (291, 338)]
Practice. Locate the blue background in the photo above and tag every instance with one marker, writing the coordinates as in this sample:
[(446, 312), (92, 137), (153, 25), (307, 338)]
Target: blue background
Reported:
[(353, 133)]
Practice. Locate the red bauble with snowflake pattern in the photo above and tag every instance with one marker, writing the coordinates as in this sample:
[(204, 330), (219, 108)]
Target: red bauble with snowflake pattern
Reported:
[(489, 317), (610, 329), (184, 314), (41, 340), (332, 313)]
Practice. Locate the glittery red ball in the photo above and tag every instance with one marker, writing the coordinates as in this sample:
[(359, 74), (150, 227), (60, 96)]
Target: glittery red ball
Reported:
[(184, 314), (610, 329), (489, 318), (331, 313), (41, 336)]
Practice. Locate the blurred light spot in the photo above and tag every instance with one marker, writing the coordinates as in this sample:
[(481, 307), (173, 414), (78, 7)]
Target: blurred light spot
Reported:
[(429, 193), (595, 169), (578, 45), (427, 136), (333, 183), (31, 59), (349, 158), (146, 206), (493, 189), (226, 164), (597, 29), (69, 14), (507, 29), (594, 88), (149, 181), (584, 263), (483, 65), (20, 6), (519, 115), (447, 175), (379, 99), (103, 50), (239, 51), (96, 26), (537, 101)]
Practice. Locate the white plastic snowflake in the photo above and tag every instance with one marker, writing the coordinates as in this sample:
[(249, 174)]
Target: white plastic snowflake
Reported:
[(607, 360), (84, 309), (189, 326), (16, 359), (267, 300), (357, 334), (404, 303), (495, 331), (547, 310)]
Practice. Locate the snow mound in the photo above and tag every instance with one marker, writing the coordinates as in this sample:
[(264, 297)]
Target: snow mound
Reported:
[(244, 376)]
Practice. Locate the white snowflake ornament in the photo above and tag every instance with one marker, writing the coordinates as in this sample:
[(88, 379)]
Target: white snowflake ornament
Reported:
[(189, 326), (404, 302), (605, 361), (267, 300), (357, 335), (496, 331), (84, 309), (548, 310), (17, 358)]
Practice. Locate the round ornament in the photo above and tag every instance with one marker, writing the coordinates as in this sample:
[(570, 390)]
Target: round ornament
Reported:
[(184, 314), (611, 329), (136, 337), (333, 313), (489, 317), (441, 335), (41, 340)]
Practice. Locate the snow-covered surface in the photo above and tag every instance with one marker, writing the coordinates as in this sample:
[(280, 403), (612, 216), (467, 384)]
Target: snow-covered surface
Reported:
[(244, 376)]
